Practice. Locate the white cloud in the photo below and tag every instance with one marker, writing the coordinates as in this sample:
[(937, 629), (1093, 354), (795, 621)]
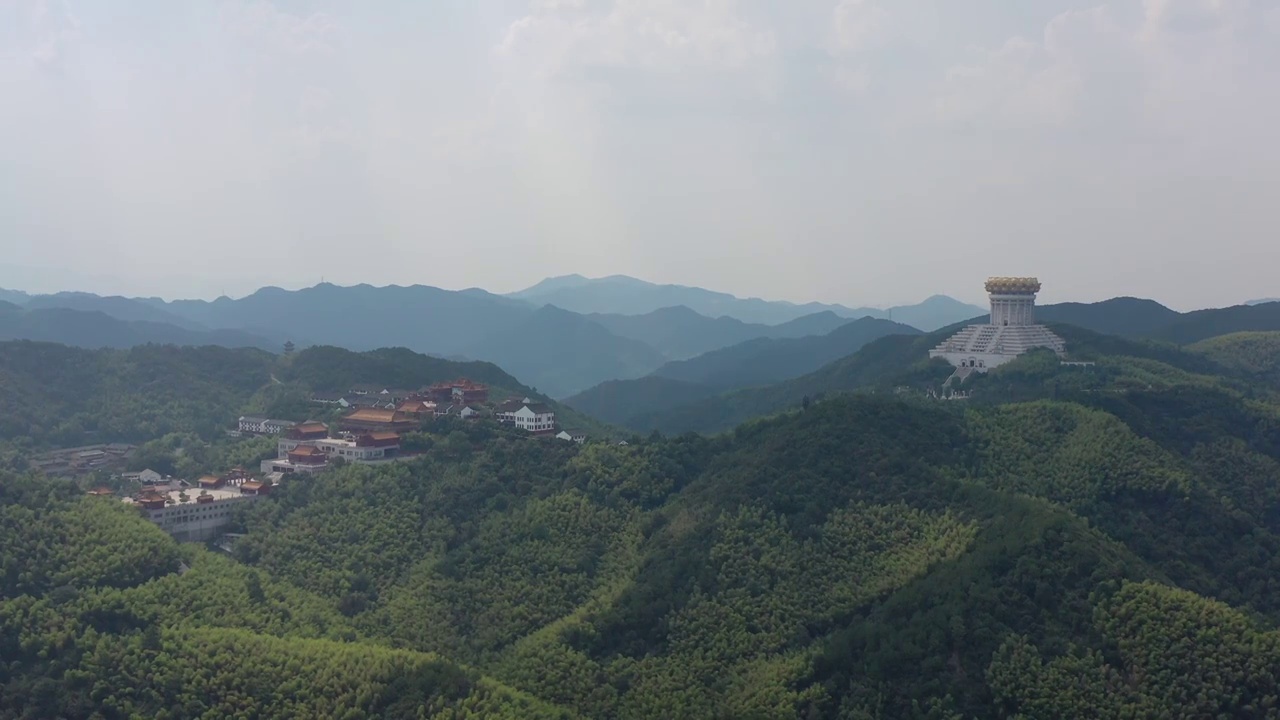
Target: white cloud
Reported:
[(1158, 64), (665, 35), (41, 31), (276, 29), (855, 79), (1044, 83), (860, 25)]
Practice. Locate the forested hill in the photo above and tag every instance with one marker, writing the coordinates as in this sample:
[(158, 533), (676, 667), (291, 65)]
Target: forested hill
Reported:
[(1110, 553), (769, 360), (754, 363), (900, 360), (337, 370), (1256, 353), (53, 395), (1147, 319)]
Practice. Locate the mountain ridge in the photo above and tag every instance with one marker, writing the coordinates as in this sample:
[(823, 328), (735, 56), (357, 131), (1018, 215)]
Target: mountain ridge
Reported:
[(890, 362), (92, 329), (752, 363), (574, 353), (625, 295), (680, 332)]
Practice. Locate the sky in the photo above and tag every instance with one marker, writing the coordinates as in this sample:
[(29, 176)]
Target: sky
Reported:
[(867, 152)]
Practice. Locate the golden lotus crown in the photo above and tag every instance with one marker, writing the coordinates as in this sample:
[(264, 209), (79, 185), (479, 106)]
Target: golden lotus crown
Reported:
[(1013, 285)]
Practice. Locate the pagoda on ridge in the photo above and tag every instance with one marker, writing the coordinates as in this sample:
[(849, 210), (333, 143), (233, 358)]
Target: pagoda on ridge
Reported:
[(1011, 332)]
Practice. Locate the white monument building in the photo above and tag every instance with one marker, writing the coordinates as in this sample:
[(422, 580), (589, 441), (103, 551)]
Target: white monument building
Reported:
[(1011, 332)]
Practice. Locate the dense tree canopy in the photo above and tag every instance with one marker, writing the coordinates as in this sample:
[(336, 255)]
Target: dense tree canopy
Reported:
[(1072, 542)]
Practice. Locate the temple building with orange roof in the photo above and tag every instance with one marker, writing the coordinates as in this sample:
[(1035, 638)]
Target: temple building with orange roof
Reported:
[(313, 456), (417, 408), (458, 392), (377, 420)]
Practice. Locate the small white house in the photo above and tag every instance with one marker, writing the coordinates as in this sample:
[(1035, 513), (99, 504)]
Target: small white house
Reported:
[(468, 412), (576, 436)]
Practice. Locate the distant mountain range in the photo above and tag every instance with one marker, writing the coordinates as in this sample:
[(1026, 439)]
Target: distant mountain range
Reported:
[(682, 333), (763, 361), (120, 308), (14, 297), (93, 329), (561, 349), (557, 350), (622, 295)]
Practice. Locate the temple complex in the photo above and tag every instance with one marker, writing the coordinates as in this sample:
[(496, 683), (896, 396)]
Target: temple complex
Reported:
[(1011, 332)]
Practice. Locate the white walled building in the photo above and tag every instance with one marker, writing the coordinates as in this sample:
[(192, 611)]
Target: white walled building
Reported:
[(1011, 332), (263, 426), (527, 415), (365, 448), (192, 515), (311, 456)]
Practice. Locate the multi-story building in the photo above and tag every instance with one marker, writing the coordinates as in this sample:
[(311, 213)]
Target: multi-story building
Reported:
[(458, 392), (194, 515), (312, 456), (299, 434), (253, 425), (534, 417), (366, 448), (466, 392), (306, 459)]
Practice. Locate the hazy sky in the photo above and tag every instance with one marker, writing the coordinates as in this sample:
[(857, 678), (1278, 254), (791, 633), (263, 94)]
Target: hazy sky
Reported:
[(856, 151)]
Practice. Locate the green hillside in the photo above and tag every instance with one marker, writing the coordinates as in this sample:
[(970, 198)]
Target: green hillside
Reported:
[(1087, 542), (754, 363), (1204, 324), (55, 395), (619, 401), (1146, 319), (96, 621), (1257, 353), (58, 395), (900, 361), (765, 361), (887, 362)]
